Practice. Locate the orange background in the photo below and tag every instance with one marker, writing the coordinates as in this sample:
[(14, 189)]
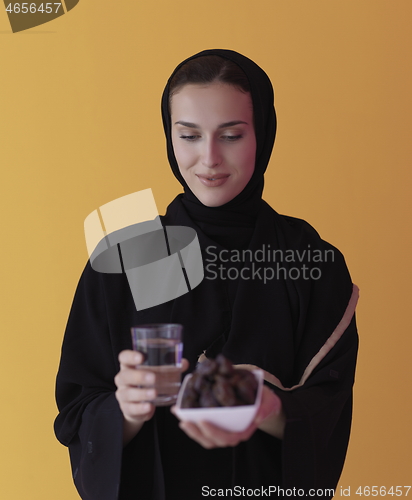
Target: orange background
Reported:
[(80, 126)]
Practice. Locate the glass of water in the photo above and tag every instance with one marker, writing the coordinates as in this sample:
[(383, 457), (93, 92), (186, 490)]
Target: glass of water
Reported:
[(162, 347)]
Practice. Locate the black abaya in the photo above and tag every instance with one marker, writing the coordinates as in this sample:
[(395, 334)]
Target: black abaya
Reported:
[(301, 331)]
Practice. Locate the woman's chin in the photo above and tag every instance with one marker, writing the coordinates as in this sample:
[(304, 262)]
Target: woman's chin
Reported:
[(213, 201)]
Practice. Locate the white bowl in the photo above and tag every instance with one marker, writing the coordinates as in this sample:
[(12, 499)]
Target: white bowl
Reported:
[(230, 418)]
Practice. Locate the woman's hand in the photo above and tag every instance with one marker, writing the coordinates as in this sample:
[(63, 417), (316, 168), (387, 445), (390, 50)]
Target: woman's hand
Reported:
[(135, 390), (269, 418)]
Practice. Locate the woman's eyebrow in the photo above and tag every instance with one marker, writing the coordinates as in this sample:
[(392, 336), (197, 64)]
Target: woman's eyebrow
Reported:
[(222, 125)]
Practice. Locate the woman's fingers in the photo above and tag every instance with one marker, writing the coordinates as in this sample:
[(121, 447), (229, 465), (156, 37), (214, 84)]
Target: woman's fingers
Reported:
[(221, 437), (136, 386), (133, 377), (211, 436), (130, 358), (185, 364), (135, 401), (138, 411), (136, 395)]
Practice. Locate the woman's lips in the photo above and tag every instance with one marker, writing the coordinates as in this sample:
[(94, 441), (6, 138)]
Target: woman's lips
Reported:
[(218, 180)]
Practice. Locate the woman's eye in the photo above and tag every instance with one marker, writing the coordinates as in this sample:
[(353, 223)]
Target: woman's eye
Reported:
[(227, 138), (189, 137), (232, 138)]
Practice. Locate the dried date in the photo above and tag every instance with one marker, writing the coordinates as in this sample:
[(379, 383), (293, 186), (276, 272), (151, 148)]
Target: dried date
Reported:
[(218, 383)]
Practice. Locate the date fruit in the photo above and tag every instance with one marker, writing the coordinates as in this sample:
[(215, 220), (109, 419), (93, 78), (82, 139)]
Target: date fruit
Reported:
[(215, 382)]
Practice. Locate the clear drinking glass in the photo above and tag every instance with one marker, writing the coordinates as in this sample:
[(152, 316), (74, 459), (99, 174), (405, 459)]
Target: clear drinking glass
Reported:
[(162, 346)]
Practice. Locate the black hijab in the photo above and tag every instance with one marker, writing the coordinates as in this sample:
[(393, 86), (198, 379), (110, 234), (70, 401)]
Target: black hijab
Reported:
[(263, 314), (225, 223)]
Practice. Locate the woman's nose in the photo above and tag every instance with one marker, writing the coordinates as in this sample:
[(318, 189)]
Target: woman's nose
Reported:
[(211, 156)]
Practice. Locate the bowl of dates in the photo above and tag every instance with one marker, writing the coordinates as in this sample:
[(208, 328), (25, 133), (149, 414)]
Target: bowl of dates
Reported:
[(221, 394)]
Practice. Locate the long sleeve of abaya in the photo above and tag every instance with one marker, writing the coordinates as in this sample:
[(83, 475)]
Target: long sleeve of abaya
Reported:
[(318, 408), (90, 420), (319, 420)]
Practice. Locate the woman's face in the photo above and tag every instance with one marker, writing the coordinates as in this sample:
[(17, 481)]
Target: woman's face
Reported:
[(213, 140)]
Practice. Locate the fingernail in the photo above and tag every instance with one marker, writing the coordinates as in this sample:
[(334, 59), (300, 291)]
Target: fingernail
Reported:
[(143, 356), (150, 394), (149, 377)]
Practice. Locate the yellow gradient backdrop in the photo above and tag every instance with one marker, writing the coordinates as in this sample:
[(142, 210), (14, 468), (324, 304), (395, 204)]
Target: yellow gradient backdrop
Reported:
[(80, 126)]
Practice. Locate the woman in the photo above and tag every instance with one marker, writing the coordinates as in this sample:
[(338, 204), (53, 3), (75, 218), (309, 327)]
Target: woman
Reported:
[(274, 296)]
